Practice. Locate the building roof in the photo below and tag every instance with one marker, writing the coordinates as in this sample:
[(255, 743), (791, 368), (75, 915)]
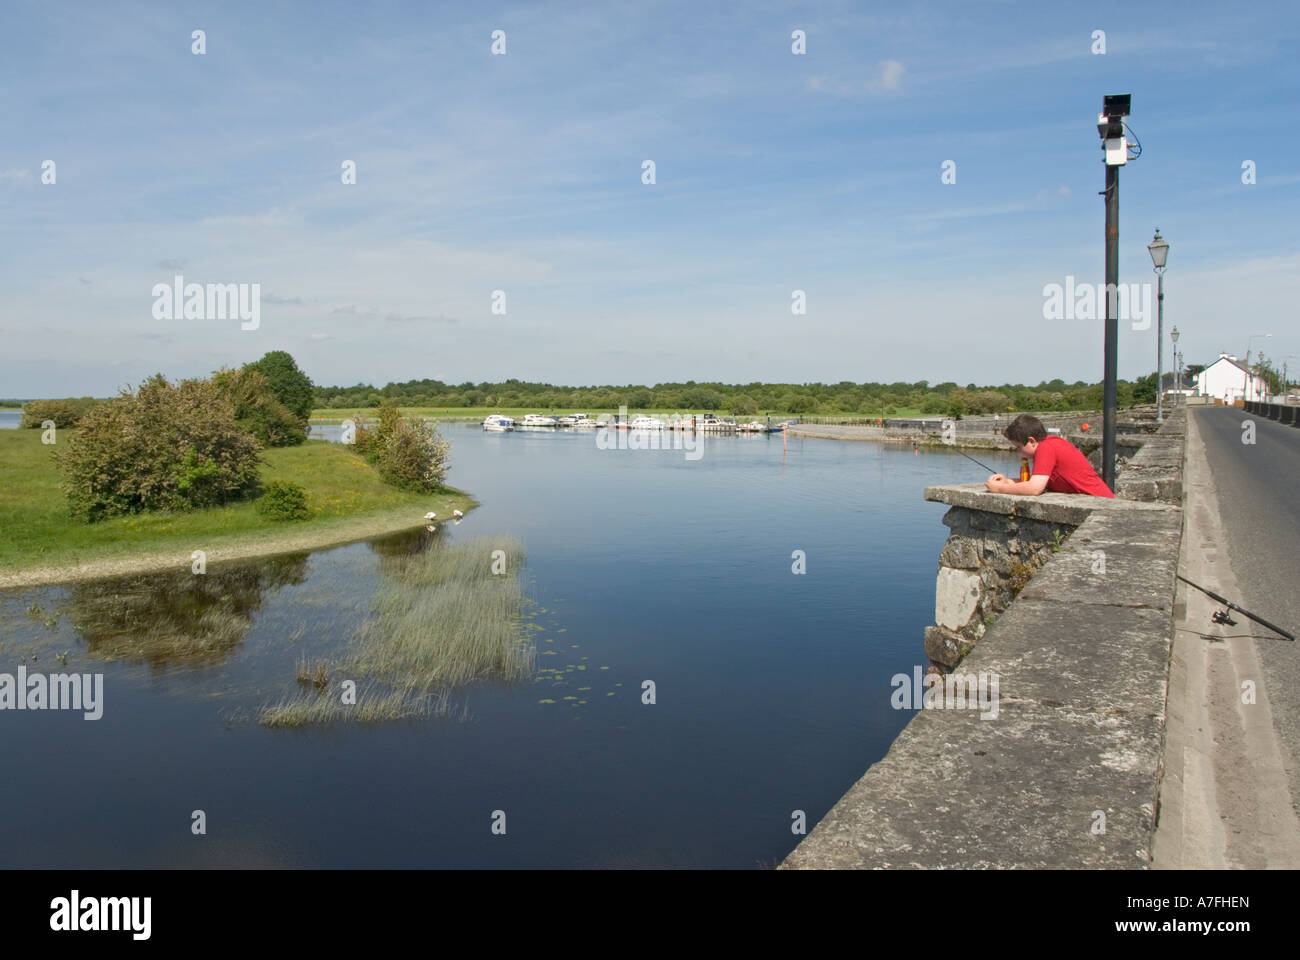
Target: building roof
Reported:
[(1227, 359)]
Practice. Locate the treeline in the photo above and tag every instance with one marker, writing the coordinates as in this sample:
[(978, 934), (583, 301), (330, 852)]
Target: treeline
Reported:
[(949, 399)]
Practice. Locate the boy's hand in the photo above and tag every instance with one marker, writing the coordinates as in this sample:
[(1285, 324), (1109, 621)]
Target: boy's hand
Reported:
[(995, 482)]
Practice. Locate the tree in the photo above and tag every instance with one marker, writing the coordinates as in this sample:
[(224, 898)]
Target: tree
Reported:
[(744, 405), (1144, 389), (291, 386), (258, 410)]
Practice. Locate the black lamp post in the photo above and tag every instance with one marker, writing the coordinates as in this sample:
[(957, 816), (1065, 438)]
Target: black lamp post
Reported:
[(1110, 127)]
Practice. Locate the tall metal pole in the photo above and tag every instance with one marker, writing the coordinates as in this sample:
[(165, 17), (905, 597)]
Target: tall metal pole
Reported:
[(1110, 399), (1160, 347)]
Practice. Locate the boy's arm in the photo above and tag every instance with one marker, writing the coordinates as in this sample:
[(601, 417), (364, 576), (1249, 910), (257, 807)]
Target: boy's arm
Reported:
[(1030, 488)]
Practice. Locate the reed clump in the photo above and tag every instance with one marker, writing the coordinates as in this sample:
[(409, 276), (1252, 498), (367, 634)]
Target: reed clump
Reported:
[(446, 617), (449, 617), (373, 705)]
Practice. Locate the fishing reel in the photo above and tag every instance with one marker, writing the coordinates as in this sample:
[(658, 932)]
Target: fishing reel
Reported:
[(1222, 616)]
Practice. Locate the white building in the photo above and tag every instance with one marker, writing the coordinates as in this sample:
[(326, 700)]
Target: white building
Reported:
[(1227, 379)]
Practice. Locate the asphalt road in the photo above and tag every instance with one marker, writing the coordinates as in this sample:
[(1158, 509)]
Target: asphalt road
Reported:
[(1258, 489)]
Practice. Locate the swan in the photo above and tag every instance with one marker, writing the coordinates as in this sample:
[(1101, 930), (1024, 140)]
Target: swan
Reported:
[(457, 513), (430, 516)]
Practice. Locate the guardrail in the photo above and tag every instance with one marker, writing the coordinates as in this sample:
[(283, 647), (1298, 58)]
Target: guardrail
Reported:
[(1285, 413)]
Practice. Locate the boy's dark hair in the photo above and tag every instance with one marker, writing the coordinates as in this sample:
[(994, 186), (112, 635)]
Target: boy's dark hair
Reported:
[(1025, 427)]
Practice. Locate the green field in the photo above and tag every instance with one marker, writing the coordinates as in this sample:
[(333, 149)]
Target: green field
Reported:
[(344, 493), (328, 415)]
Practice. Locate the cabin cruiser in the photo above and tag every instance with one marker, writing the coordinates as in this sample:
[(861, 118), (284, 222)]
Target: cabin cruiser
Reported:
[(539, 420), (646, 423), (496, 422)]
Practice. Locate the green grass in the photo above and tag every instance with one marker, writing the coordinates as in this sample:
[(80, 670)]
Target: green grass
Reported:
[(343, 492), (327, 415)]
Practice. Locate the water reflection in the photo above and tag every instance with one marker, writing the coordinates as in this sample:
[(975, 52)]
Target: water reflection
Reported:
[(182, 618)]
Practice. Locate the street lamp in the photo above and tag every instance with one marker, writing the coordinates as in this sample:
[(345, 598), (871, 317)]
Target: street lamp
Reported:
[(1173, 335), (1245, 381), (1110, 127), (1159, 251)]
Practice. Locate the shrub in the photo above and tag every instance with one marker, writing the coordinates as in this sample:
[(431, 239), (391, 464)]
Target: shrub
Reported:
[(258, 411), (165, 447), (409, 455), (65, 413), (414, 457), (282, 501)]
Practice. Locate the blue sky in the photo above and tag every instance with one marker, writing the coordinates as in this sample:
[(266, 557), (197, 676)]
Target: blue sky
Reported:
[(522, 173)]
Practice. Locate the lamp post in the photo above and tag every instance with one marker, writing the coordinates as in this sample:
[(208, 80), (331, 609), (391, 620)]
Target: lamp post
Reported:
[(1245, 381), (1110, 127), (1159, 251), (1178, 370)]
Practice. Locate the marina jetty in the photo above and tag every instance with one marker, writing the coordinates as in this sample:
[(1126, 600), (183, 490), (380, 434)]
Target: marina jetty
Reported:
[(1068, 601)]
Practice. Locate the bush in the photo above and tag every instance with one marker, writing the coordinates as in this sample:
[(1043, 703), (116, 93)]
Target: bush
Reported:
[(414, 457), (409, 456), (164, 447), (257, 410), (282, 501), (64, 413)]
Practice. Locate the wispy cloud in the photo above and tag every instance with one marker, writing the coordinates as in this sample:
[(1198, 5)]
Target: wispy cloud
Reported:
[(891, 75)]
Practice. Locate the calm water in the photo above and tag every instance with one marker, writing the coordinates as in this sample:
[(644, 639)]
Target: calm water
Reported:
[(9, 419), (772, 688)]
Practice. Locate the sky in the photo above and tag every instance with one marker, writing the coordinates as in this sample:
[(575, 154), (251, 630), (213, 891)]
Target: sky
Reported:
[(523, 172)]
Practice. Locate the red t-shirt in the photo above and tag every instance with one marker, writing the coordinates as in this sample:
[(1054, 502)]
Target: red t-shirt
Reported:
[(1067, 470)]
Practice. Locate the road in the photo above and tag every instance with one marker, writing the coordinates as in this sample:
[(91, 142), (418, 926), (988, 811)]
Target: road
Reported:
[(1234, 770)]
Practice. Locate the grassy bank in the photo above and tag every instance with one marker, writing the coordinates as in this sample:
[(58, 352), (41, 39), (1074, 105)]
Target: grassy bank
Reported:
[(327, 415), (43, 544)]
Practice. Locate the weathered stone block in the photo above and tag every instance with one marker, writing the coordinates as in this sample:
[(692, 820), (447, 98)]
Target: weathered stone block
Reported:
[(956, 596)]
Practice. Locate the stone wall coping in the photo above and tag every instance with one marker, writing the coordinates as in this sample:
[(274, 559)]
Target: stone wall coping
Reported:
[(1071, 508)]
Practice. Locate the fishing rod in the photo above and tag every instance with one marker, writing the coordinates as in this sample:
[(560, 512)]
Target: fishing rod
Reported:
[(969, 457), (1222, 615)]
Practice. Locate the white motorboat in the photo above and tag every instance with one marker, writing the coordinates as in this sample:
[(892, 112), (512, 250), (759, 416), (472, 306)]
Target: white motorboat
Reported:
[(539, 420), (497, 423), (646, 423)]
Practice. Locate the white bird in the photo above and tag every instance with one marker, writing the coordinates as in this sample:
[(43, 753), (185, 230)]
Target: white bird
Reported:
[(430, 516), (457, 513)]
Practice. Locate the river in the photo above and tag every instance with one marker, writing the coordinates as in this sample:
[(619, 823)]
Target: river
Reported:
[(772, 688)]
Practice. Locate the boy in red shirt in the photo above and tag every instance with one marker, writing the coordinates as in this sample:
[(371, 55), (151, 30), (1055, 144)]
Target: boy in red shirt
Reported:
[(1059, 467)]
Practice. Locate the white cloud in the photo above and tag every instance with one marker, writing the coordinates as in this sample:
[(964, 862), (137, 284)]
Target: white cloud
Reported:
[(891, 74)]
